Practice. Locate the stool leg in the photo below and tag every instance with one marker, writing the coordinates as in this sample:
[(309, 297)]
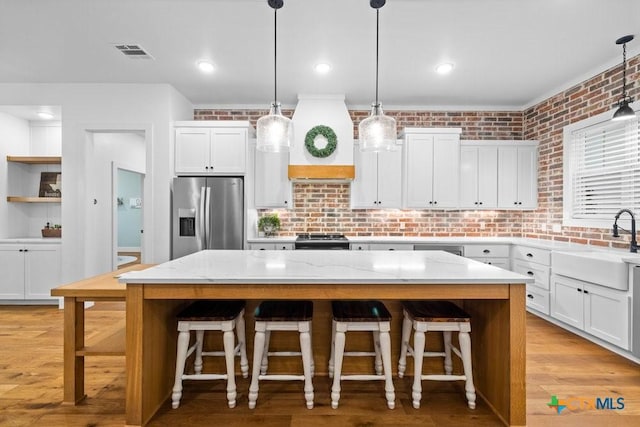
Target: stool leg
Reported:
[(197, 363), (229, 346), (376, 346), (448, 365), (338, 354), (305, 349), (258, 349), (181, 357), (406, 335), (385, 349), (465, 349), (264, 363), (333, 340), (313, 364), (418, 355), (242, 341)]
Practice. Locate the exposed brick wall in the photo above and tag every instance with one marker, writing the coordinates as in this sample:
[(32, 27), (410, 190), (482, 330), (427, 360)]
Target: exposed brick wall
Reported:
[(325, 207), (545, 122)]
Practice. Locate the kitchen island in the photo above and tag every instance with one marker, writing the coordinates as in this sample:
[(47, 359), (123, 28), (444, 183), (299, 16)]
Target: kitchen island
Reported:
[(495, 299)]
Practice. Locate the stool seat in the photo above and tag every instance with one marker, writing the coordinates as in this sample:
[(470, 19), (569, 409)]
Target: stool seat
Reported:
[(287, 315), (215, 310), (360, 311), (371, 316), (284, 311), (215, 315), (435, 311), (436, 316)]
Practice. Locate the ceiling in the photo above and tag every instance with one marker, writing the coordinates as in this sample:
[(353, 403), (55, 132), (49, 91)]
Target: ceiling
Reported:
[(508, 54)]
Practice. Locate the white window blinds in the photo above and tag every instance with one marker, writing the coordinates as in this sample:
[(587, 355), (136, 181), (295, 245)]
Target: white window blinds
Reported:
[(605, 169)]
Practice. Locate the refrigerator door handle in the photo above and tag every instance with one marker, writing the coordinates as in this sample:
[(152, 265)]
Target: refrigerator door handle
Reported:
[(207, 218), (201, 215)]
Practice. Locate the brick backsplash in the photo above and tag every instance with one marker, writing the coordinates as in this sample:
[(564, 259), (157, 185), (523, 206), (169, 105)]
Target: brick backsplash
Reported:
[(322, 207)]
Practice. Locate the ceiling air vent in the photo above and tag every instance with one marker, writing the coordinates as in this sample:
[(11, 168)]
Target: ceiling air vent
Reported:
[(134, 51)]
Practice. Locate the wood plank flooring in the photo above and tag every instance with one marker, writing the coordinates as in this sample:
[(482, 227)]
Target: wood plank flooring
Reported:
[(558, 363)]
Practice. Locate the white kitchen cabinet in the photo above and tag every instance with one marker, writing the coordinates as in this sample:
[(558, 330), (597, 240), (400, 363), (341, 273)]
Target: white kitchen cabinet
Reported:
[(478, 175), (29, 271), (359, 246), (378, 181), (431, 159), (283, 246), (535, 263), (599, 311), (518, 175), (272, 188), (491, 254), (211, 148), (390, 246)]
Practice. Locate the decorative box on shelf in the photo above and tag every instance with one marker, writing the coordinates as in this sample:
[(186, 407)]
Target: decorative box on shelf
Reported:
[(52, 232)]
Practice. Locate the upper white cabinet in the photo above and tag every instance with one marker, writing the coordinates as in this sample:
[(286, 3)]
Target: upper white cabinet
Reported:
[(518, 175), (431, 158), (211, 148), (378, 182), (272, 188), (478, 175)]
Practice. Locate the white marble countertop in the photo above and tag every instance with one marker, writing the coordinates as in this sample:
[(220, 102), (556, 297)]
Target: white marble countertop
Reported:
[(312, 267)]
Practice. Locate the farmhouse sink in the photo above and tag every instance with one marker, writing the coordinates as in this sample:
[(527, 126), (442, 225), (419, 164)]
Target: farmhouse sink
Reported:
[(602, 268)]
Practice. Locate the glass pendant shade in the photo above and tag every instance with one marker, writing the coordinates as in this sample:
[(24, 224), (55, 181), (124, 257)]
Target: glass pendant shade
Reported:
[(377, 132), (624, 111), (273, 132)]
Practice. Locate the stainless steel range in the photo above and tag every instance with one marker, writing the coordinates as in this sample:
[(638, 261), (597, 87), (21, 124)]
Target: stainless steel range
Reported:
[(316, 241)]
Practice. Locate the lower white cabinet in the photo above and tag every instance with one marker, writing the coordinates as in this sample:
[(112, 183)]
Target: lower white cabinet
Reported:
[(492, 254), (390, 247), (29, 272), (599, 311), (285, 246), (359, 246), (537, 299)]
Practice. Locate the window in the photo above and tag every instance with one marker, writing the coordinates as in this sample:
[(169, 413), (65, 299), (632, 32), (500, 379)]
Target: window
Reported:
[(601, 170)]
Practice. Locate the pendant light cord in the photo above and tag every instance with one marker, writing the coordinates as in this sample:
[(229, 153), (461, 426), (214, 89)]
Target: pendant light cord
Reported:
[(275, 55), (624, 71), (377, 49)]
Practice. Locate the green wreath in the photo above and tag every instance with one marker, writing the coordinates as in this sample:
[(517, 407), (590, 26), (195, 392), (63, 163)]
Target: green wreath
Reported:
[(310, 141)]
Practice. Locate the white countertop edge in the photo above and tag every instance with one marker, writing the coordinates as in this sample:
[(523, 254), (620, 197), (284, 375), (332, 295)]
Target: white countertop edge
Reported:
[(127, 278), (34, 240)]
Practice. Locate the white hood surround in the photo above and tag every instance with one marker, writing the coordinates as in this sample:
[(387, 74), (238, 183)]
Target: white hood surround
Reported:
[(327, 110)]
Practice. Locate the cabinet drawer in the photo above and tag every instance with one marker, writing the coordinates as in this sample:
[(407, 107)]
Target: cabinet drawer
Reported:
[(537, 299), (541, 256), (539, 272), (494, 251), (359, 246), (497, 262), (284, 246), (390, 247)]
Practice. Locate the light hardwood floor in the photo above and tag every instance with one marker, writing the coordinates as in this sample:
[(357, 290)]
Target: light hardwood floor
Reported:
[(558, 363)]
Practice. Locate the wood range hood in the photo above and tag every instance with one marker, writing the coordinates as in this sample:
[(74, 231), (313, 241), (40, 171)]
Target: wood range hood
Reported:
[(326, 110)]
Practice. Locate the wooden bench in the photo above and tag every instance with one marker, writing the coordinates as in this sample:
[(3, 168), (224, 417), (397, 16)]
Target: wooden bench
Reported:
[(104, 287)]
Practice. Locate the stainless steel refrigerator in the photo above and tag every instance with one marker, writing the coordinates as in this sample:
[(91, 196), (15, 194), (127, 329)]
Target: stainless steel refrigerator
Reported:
[(207, 213)]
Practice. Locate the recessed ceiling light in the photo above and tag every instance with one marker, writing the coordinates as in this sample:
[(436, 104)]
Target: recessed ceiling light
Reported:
[(44, 115), (322, 68), (444, 68), (206, 66)]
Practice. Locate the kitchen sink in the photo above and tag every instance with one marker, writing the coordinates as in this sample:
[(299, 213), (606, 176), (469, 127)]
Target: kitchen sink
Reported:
[(602, 268)]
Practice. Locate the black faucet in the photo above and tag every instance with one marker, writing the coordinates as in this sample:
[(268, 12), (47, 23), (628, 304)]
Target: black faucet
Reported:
[(634, 245)]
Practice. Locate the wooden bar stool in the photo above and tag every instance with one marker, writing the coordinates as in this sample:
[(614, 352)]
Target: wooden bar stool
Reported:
[(282, 316), (204, 316), (361, 316), (433, 316)]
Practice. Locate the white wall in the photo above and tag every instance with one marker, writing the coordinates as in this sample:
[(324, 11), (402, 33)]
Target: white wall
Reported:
[(109, 106)]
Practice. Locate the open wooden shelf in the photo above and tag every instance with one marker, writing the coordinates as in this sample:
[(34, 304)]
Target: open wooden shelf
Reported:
[(23, 199), (36, 160), (110, 345)]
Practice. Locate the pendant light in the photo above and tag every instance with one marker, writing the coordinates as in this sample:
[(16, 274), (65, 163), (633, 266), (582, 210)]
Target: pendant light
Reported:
[(273, 131), (624, 111), (377, 132)]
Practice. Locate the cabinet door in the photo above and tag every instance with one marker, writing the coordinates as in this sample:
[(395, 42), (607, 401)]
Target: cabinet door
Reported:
[(419, 171), (606, 314), (262, 246), (566, 301), (508, 177), (42, 271), (364, 188), (228, 151), (12, 268), (272, 188), (527, 177), (488, 177), (469, 177), (192, 150), (446, 170), (390, 179)]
